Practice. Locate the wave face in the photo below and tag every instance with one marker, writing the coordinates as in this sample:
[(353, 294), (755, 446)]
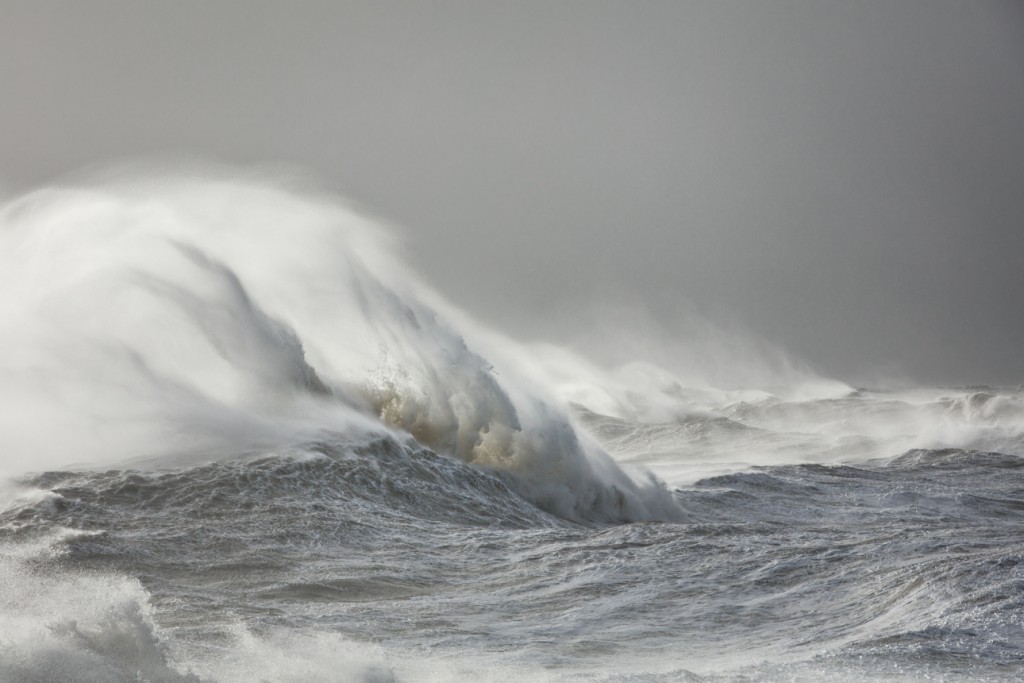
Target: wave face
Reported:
[(243, 442)]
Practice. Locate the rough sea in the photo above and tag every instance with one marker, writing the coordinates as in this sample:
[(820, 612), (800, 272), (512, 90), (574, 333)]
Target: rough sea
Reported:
[(241, 441)]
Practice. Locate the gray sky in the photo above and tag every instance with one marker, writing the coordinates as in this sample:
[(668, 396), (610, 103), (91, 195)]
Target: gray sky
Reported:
[(844, 178)]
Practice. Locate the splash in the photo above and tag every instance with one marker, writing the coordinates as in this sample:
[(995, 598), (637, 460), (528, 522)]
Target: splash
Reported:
[(210, 315)]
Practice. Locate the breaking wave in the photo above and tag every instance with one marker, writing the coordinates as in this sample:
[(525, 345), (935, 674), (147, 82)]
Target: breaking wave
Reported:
[(207, 316)]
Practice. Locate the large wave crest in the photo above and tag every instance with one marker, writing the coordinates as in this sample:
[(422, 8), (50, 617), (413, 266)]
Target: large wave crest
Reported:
[(195, 317)]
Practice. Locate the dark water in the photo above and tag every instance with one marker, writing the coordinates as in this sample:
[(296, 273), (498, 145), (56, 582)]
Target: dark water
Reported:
[(384, 562)]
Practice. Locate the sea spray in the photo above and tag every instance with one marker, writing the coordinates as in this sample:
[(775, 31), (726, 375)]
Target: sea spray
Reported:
[(218, 314)]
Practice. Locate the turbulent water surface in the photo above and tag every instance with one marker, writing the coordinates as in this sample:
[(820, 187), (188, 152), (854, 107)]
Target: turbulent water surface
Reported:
[(242, 442)]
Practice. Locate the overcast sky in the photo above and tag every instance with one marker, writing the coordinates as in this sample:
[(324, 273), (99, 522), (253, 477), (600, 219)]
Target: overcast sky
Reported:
[(844, 178)]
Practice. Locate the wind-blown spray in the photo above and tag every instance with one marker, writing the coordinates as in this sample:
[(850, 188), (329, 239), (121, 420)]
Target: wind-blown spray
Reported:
[(215, 315)]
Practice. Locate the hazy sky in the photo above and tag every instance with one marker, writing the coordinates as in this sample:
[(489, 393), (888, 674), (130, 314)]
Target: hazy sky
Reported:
[(845, 178)]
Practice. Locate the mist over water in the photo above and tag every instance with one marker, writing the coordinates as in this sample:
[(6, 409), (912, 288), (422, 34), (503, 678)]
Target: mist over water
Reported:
[(244, 441)]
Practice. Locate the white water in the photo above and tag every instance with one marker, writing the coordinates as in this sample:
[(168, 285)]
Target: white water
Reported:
[(151, 327)]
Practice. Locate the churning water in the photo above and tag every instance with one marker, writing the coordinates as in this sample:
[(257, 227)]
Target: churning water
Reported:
[(242, 442)]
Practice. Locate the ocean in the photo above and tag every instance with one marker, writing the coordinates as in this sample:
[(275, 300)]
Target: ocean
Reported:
[(243, 441)]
